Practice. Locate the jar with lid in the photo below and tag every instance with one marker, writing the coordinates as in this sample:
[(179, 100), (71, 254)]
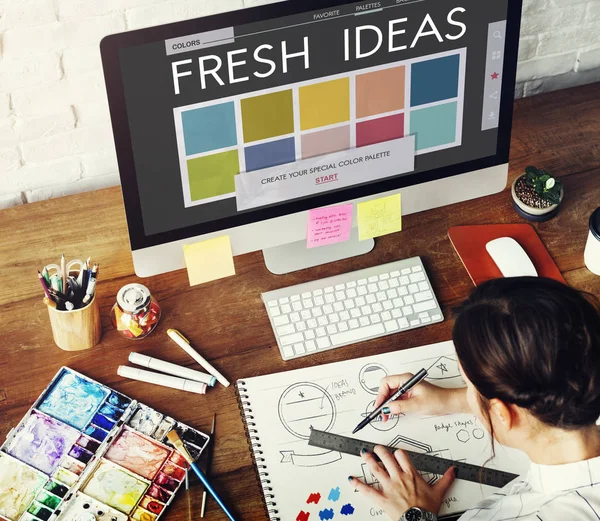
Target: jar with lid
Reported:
[(136, 312)]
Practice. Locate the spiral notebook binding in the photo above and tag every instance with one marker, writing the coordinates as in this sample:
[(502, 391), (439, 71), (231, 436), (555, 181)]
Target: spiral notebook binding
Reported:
[(256, 451)]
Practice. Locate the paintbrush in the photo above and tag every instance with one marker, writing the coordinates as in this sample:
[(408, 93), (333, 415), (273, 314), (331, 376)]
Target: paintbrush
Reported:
[(209, 461), (180, 447), (188, 495)]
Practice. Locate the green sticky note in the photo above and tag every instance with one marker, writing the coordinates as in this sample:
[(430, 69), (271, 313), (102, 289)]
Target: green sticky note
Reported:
[(379, 217), (209, 260)]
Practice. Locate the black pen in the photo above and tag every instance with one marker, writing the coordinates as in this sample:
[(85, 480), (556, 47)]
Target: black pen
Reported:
[(402, 390)]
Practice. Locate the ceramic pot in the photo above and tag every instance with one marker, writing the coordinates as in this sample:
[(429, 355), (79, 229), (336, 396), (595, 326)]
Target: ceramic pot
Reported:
[(531, 213)]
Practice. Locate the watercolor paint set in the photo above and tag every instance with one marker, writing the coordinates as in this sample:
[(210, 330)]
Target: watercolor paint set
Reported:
[(85, 452)]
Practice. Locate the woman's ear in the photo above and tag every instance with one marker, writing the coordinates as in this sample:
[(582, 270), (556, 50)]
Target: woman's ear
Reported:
[(501, 415)]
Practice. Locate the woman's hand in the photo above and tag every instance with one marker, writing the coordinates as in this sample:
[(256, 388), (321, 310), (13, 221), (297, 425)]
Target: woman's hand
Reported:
[(424, 398), (402, 487)]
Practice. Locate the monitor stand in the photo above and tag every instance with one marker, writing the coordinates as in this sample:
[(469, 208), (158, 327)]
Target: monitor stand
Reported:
[(296, 256)]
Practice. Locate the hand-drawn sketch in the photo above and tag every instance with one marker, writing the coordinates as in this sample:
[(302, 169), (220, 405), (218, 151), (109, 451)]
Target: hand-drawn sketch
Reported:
[(309, 460), (302, 407), (370, 376), (305, 406), (404, 442), (368, 477), (478, 433), (443, 368), (463, 435)]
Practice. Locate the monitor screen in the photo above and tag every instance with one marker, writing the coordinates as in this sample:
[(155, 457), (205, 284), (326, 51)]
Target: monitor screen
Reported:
[(255, 114)]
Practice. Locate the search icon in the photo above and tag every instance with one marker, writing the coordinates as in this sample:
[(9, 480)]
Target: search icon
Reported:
[(497, 34)]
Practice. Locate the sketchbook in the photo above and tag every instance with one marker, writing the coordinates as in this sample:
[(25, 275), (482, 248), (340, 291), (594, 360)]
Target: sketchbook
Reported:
[(303, 483)]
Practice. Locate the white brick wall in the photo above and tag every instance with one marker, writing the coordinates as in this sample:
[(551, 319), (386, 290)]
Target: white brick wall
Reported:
[(55, 135)]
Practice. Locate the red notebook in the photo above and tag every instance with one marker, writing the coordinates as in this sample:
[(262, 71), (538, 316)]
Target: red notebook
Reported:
[(469, 242)]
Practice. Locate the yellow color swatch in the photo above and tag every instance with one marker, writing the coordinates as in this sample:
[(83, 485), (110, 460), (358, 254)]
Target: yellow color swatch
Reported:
[(324, 103), (209, 260), (379, 217)]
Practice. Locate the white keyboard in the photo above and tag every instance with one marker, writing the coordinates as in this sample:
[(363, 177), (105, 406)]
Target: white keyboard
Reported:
[(352, 307)]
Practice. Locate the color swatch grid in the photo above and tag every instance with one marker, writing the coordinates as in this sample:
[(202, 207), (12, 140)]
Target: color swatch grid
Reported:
[(83, 445), (220, 139)]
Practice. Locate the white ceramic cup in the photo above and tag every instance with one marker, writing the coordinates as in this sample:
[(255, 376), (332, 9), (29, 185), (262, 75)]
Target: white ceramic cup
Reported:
[(592, 247)]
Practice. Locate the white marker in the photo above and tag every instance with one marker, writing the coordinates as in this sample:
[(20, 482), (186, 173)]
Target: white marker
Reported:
[(184, 343), (161, 379), (167, 367)]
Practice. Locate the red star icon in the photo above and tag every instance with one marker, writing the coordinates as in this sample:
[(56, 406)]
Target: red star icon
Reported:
[(495, 76)]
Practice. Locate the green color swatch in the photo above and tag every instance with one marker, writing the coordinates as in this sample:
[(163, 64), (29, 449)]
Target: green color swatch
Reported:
[(213, 175)]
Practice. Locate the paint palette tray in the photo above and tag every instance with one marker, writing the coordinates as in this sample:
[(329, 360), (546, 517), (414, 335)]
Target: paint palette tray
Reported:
[(85, 452)]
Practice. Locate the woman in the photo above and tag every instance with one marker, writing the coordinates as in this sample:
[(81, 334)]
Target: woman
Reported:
[(529, 351)]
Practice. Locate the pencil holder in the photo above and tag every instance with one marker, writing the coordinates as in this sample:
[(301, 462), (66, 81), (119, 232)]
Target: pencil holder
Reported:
[(77, 329)]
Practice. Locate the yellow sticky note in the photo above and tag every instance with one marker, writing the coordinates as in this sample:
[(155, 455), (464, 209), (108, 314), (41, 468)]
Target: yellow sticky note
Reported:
[(379, 217), (209, 260)]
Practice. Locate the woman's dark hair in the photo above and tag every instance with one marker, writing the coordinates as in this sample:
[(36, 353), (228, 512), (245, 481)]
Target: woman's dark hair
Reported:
[(535, 343)]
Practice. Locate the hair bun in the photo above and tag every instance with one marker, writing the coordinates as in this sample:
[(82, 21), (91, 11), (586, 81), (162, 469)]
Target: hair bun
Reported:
[(535, 343)]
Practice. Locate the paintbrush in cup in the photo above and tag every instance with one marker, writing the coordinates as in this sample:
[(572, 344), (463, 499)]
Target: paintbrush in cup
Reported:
[(181, 448)]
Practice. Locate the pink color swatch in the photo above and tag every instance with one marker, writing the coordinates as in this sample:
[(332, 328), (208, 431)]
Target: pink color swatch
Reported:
[(329, 225), (325, 142), (138, 454), (379, 130)]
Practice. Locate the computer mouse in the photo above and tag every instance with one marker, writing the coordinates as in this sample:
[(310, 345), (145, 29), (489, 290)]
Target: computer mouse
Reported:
[(510, 257)]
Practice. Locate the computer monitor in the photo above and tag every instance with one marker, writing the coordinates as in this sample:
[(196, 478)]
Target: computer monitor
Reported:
[(240, 123)]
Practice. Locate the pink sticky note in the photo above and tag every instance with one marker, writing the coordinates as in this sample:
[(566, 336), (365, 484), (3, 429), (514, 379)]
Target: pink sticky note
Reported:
[(329, 225)]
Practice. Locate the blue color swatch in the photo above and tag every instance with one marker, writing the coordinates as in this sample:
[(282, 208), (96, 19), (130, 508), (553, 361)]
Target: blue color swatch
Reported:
[(434, 80), (334, 494), (434, 126), (326, 514), (103, 422), (209, 128), (118, 400), (73, 400), (270, 154), (111, 412), (347, 510), (95, 432)]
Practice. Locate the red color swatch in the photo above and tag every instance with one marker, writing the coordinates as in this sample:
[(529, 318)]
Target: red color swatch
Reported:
[(303, 516), (379, 130), (314, 498)]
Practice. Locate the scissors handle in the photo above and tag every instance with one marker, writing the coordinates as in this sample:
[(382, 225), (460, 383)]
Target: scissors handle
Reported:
[(75, 262), (53, 269)]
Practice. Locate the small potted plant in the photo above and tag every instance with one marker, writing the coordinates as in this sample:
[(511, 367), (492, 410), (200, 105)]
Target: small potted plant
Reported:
[(537, 195)]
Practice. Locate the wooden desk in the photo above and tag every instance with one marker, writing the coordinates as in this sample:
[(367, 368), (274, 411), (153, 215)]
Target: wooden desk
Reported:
[(226, 319)]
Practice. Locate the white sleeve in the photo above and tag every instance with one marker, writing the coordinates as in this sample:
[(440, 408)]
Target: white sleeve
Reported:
[(582, 505)]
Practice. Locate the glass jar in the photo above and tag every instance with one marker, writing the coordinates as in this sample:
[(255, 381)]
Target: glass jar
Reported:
[(136, 312)]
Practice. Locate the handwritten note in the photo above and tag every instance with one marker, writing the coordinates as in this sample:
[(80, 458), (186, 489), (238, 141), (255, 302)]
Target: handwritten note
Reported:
[(209, 260), (379, 217), (329, 225)]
